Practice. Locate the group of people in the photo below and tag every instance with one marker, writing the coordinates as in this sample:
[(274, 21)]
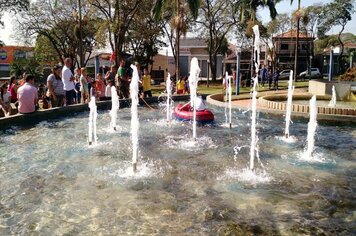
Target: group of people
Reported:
[(64, 87), (267, 76), (121, 78), (24, 95)]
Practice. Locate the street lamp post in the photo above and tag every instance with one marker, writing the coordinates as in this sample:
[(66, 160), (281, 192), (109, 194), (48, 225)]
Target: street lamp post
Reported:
[(238, 58), (331, 63), (208, 74)]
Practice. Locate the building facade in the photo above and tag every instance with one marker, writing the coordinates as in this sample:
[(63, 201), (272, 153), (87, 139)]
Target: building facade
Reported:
[(8, 54), (194, 47), (284, 50)]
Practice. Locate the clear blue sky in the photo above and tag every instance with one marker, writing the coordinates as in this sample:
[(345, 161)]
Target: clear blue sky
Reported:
[(285, 7)]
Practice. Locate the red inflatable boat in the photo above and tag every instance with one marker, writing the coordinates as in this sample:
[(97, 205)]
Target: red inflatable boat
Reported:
[(184, 112)]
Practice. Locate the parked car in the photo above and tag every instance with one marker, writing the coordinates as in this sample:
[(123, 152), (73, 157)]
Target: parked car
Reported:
[(314, 73), (284, 74)]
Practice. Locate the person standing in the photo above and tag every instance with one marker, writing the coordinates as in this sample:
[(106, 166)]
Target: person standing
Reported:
[(68, 78), (180, 86), (27, 96), (55, 87), (84, 88), (100, 87), (77, 85), (146, 84), (13, 89), (263, 76), (5, 100), (275, 79)]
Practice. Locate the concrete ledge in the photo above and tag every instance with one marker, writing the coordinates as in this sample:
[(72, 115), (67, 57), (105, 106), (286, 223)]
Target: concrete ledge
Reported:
[(55, 113), (274, 102), (300, 112)]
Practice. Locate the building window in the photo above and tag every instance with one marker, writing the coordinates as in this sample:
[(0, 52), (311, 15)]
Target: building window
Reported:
[(284, 46)]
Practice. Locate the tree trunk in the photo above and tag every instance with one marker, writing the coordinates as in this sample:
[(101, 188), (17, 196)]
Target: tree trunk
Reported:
[(177, 40), (213, 66)]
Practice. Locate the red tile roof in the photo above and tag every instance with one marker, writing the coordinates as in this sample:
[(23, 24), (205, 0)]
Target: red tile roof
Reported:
[(293, 34)]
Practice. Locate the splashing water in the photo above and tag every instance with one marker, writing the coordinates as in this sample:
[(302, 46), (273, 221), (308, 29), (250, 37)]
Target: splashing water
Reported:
[(254, 138), (169, 93), (289, 104), (115, 105), (93, 114), (332, 102), (134, 115), (193, 83), (311, 128)]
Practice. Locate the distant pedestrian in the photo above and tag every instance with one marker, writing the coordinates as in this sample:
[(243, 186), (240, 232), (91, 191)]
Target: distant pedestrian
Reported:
[(263, 75), (275, 79)]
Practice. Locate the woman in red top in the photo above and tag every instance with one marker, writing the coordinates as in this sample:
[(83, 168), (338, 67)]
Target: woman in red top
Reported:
[(13, 89)]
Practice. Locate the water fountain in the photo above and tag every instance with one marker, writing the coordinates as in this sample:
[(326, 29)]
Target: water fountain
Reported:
[(308, 155), (169, 93), (134, 115), (115, 106), (289, 104), (92, 121), (66, 189), (332, 102), (193, 84)]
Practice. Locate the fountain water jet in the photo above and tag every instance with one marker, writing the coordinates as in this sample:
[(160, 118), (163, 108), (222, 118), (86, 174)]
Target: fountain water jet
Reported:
[(115, 105), (311, 128), (134, 115), (289, 104), (169, 93), (254, 138), (229, 93), (193, 84), (93, 114), (332, 102)]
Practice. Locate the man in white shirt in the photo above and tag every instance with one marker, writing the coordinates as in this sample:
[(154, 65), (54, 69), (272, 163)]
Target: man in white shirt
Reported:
[(68, 78)]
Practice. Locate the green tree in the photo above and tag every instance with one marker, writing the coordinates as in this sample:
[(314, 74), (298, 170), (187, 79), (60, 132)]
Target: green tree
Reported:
[(216, 20), (117, 16), (342, 11), (178, 18), (60, 27), (144, 35)]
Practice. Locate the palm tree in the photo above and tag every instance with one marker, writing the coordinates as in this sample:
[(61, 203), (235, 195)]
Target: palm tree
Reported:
[(177, 19), (296, 41), (251, 7)]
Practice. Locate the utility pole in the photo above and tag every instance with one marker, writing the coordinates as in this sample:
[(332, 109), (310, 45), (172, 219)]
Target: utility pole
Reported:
[(331, 63), (297, 44)]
